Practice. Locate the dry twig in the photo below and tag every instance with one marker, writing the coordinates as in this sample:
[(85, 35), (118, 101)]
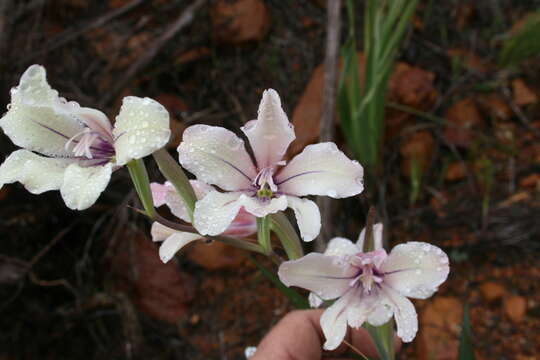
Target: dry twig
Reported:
[(185, 19), (328, 108), (70, 34)]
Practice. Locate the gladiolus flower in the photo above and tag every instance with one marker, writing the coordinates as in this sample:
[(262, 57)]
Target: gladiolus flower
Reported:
[(264, 185), (371, 286), (244, 224), (71, 148)]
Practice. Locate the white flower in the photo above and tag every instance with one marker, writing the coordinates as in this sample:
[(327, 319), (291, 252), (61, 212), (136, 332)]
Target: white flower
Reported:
[(244, 224), (371, 286), (71, 148), (264, 185)]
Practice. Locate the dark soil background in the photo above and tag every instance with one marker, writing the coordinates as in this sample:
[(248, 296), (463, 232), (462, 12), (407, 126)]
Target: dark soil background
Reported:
[(90, 285)]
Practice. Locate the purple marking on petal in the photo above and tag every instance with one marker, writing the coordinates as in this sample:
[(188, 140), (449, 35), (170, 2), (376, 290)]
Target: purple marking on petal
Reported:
[(301, 174), (234, 167), (53, 130)]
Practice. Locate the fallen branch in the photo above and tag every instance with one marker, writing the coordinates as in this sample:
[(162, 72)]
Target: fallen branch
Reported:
[(70, 34), (329, 108), (185, 19)]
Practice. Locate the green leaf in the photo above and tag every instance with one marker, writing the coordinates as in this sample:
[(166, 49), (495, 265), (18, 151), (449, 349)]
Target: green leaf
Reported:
[(175, 174), (139, 177), (466, 351), (296, 299), (523, 43)]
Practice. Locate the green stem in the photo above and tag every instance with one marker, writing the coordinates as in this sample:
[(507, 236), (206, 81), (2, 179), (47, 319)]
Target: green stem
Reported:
[(287, 235), (139, 177), (263, 234), (175, 174)]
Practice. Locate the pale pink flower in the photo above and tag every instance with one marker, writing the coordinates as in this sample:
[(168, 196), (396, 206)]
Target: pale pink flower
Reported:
[(244, 224), (264, 185), (71, 148), (371, 286)]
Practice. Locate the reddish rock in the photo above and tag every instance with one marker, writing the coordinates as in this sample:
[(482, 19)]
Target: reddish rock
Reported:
[(469, 60), (416, 150), (408, 85), (492, 291), (239, 21), (157, 289), (462, 117), (515, 308), (440, 325), (495, 106), (216, 256), (532, 180), (456, 171), (523, 95)]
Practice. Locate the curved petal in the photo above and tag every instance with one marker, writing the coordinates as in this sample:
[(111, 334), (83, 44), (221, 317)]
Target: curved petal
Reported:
[(167, 194), (271, 134), (159, 191), (83, 185), (97, 121), (334, 321), (314, 300), (360, 307), (141, 127), (37, 118), (307, 215), (216, 156), (37, 173), (175, 241), (339, 246), (160, 232), (415, 269), (380, 315), (215, 212), (244, 224), (327, 276), (261, 208), (404, 313), (377, 237), (321, 169)]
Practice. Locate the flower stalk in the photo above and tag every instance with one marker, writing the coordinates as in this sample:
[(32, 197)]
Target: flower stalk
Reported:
[(263, 234), (282, 227), (139, 177), (174, 173)]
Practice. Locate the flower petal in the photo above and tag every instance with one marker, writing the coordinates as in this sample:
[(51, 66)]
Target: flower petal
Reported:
[(404, 313), (37, 118), (173, 243), (360, 307), (381, 314), (339, 246), (271, 134), (83, 185), (307, 215), (216, 156), (215, 212), (160, 232), (415, 269), (261, 208), (37, 173), (334, 322), (326, 276), (244, 224), (314, 300), (159, 191), (141, 127), (321, 169), (377, 237)]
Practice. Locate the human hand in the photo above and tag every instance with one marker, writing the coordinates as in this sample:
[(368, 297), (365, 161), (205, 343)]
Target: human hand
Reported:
[(298, 336)]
